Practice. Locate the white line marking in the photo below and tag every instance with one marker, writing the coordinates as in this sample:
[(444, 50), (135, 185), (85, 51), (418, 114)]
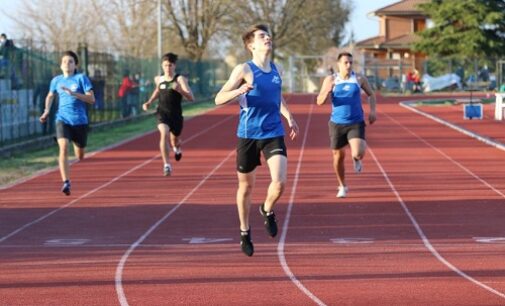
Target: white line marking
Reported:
[(485, 140), (203, 240), (119, 270), (65, 242), (282, 240), (20, 229), (351, 240), (489, 239), (448, 157), (420, 232)]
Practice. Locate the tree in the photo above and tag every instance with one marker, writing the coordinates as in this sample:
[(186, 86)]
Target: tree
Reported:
[(195, 22), (60, 24), (464, 29), (297, 26)]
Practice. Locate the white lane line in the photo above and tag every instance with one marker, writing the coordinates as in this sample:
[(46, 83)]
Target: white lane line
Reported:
[(475, 176), (282, 240), (88, 155), (52, 212), (420, 232), (120, 267), (488, 141)]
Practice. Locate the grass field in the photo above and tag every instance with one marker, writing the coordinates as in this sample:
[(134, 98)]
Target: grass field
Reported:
[(27, 163)]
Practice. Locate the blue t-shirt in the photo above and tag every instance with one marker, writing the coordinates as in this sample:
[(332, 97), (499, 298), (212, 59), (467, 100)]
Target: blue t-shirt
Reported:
[(260, 115), (346, 101), (71, 110)]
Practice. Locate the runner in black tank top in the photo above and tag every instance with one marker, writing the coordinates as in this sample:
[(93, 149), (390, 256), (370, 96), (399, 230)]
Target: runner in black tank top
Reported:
[(169, 100), (170, 89)]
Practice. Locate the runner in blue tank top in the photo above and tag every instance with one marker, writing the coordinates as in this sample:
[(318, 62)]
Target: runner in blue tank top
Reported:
[(74, 91), (347, 124), (257, 86)]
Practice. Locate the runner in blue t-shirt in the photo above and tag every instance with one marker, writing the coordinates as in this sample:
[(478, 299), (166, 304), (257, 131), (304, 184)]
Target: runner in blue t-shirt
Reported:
[(74, 91), (347, 124), (257, 85)]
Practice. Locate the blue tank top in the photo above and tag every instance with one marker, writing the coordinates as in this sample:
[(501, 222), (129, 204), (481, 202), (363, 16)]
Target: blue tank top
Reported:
[(260, 114), (346, 101)]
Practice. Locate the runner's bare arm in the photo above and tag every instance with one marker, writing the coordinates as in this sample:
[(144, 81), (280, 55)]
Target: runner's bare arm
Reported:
[(325, 91), (372, 116), (233, 88)]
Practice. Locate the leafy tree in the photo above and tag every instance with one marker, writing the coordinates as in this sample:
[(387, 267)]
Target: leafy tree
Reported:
[(464, 29)]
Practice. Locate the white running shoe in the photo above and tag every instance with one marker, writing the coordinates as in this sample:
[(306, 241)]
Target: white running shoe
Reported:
[(342, 191), (358, 166), (167, 170)]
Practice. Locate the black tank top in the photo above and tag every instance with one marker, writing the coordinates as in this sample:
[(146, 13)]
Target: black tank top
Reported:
[(169, 99)]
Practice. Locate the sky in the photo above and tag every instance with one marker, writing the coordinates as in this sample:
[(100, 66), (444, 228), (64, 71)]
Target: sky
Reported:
[(362, 25)]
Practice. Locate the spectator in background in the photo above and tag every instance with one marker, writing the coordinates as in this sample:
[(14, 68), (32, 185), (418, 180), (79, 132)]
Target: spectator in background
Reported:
[(98, 83), (124, 90)]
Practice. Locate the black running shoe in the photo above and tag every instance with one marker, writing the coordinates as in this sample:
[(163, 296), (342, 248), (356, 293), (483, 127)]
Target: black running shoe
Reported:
[(246, 243), (178, 156), (270, 221), (66, 188)]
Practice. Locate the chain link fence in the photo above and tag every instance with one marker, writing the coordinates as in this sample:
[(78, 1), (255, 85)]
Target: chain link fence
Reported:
[(27, 68)]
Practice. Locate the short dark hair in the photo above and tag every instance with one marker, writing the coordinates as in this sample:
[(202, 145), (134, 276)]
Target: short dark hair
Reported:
[(171, 57), (3, 35), (249, 33), (340, 55), (71, 54)]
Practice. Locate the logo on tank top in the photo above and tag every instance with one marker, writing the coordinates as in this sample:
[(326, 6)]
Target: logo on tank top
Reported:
[(163, 86), (346, 87), (276, 79)]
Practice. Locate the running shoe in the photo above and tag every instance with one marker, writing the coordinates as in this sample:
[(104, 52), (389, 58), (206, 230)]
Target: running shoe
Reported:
[(357, 165), (342, 191), (270, 221), (178, 155), (66, 187), (167, 170), (246, 243)]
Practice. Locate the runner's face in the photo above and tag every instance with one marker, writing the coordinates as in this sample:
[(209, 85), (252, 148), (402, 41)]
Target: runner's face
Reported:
[(67, 65), (168, 67), (345, 64), (261, 41)]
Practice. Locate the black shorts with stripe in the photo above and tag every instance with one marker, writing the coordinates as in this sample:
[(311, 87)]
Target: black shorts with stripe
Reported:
[(249, 151)]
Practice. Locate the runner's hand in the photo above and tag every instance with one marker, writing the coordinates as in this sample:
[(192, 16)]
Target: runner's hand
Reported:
[(294, 129)]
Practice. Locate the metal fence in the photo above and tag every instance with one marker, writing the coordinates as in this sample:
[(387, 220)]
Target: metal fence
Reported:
[(27, 69)]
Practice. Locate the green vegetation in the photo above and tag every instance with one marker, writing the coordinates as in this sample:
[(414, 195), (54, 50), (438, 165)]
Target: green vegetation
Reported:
[(448, 102), (27, 163)]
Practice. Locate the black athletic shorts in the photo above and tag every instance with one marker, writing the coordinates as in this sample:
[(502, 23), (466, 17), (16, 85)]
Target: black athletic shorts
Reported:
[(174, 122), (341, 133), (77, 134), (248, 151)]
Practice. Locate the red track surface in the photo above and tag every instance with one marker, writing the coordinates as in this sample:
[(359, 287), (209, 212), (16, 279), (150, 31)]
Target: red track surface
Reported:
[(411, 231)]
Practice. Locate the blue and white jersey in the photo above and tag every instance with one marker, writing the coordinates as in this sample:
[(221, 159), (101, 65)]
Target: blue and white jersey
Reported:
[(346, 101), (260, 108), (71, 110)]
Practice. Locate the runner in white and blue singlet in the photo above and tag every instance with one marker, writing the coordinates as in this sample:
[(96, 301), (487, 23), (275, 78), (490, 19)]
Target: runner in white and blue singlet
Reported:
[(347, 124), (74, 91), (257, 85)]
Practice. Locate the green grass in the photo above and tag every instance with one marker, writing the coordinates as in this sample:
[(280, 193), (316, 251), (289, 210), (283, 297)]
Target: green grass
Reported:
[(448, 102), (27, 163)]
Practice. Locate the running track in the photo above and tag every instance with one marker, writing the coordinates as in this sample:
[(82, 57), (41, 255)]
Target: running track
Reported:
[(423, 224)]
